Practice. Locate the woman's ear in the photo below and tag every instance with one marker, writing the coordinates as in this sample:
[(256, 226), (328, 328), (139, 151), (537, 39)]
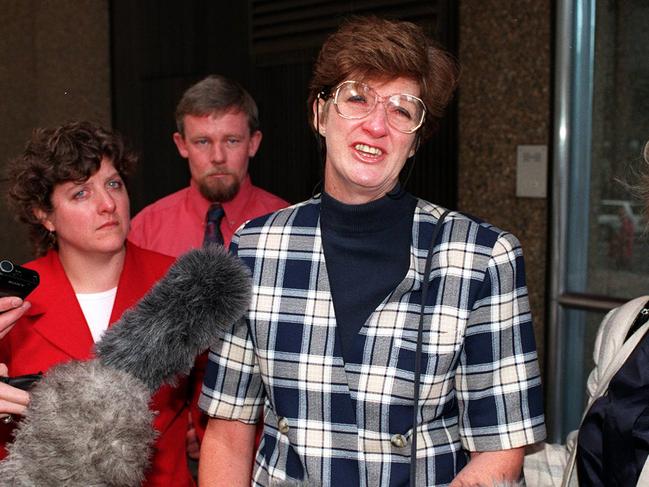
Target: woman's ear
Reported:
[(44, 218), (319, 115)]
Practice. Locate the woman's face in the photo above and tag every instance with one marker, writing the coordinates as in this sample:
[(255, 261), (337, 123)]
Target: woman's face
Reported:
[(90, 217), (365, 156)]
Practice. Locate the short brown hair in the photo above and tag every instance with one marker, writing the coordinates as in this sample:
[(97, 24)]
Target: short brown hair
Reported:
[(71, 152), (371, 47), (216, 94)]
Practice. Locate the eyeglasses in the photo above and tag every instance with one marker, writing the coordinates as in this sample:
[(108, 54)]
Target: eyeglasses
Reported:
[(355, 99)]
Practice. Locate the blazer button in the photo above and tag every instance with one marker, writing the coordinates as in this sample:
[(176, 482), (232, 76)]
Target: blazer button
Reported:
[(282, 425), (399, 441)]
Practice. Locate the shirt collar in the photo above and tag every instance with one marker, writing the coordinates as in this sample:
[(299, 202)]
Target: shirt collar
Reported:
[(235, 208), (197, 204)]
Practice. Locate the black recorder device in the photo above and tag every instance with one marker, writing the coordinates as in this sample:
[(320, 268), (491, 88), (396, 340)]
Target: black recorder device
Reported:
[(16, 280)]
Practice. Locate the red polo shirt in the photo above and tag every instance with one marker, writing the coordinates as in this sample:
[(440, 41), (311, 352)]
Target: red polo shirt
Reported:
[(176, 223)]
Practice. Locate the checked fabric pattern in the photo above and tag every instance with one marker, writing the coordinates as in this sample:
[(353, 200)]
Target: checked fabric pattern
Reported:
[(328, 422)]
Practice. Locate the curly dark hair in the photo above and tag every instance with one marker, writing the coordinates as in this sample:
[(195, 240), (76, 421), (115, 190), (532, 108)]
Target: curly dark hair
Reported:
[(372, 47), (71, 152)]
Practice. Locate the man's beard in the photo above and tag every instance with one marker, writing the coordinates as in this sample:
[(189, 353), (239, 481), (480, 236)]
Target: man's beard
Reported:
[(220, 190)]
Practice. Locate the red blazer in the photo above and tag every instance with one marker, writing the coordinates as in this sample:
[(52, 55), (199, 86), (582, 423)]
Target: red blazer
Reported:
[(54, 330)]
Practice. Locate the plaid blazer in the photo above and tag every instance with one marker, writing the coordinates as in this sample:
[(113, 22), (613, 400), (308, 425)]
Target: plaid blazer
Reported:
[(331, 422)]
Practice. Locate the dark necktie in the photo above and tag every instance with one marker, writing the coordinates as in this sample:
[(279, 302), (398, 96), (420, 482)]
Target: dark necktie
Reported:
[(213, 225)]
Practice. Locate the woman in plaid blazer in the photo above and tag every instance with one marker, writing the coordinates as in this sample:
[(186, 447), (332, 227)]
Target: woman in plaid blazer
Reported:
[(328, 352)]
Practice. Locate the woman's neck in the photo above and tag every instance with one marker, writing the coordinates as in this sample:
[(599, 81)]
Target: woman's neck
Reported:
[(92, 273), (375, 216)]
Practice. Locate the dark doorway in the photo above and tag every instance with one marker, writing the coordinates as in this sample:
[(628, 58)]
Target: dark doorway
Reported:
[(160, 48)]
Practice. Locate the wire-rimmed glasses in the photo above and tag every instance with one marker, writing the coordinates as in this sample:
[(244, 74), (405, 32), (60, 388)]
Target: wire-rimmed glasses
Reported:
[(355, 99)]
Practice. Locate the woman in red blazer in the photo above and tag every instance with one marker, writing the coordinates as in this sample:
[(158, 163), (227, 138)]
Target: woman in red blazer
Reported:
[(69, 187)]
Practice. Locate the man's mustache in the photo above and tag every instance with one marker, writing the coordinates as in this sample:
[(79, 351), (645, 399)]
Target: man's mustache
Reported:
[(217, 172)]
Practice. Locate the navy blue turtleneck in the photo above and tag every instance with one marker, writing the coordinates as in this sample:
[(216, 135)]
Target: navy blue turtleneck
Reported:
[(367, 253)]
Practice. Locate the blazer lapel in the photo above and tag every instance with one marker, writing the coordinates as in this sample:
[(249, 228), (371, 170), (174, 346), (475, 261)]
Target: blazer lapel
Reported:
[(57, 315), (131, 286)]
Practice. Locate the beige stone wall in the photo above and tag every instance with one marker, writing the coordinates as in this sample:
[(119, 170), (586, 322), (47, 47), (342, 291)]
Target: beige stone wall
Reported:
[(505, 51), (54, 67)]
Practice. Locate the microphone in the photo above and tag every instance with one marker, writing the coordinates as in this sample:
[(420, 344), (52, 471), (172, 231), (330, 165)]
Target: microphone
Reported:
[(204, 292), (88, 423)]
